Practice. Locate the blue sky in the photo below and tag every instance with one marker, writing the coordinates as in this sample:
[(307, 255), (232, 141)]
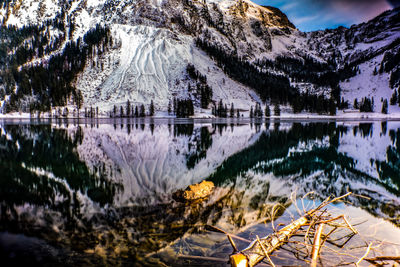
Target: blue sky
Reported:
[(310, 15)]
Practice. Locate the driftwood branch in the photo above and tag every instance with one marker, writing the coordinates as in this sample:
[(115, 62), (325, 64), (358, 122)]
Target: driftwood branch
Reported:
[(261, 248), (311, 227), (317, 245), (254, 253), (365, 255)]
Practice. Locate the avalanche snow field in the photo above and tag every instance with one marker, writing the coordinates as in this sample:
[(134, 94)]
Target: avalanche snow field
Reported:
[(100, 192)]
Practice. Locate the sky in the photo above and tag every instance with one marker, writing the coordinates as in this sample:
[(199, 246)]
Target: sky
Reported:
[(310, 15)]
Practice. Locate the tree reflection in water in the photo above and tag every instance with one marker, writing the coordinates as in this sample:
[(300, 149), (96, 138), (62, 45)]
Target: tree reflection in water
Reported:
[(49, 191)]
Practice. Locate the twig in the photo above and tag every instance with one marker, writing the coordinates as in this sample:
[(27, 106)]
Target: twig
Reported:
[(327, 235), (344, 219), (293, 199), (224, 232), (201, 258), (349, 237), (302, 200), (349, 225), (384, 258), (232, 244), (307, 234), (365, 255), (265, 252), (316, 245), (272, 216), (327, 202), (313, 222), (361, 196)]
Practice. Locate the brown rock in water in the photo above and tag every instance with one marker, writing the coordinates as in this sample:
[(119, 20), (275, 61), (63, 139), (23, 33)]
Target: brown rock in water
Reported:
[(195, 191)]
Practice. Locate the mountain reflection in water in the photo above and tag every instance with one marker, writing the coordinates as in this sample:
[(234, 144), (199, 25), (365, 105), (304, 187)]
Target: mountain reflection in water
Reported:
[(99, 194)]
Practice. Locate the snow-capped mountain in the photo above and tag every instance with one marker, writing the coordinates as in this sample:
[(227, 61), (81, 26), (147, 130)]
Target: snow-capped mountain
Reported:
[(140, 50)]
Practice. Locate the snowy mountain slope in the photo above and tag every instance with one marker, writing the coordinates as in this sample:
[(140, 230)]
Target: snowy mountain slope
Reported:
[(360, 42), (154, 41), (364, 46), (22, 13), (368, 84)]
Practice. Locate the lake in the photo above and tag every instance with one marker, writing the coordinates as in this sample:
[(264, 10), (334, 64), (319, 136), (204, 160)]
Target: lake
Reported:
[(100, 192)]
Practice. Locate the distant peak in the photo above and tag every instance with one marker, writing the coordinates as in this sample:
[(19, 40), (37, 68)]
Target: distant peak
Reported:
[(284, 18)]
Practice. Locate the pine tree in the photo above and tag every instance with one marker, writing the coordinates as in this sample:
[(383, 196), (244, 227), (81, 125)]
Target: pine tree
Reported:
[(142, 111), (385, 107), (332, 107), (78, 100), (151, 109), (297, 105), (114, 111), (220, 109), (260, 112), (225, 111), (398, 98), (136, 112), (355, 104), (121, 112), (184, 108), (394, 99), (267, 111), (320, 107), (366, 105), (256, 110), (277, 110), (251, 112), (169, 108), (232, 111), (128, 108), (237, 113), (174, 105)]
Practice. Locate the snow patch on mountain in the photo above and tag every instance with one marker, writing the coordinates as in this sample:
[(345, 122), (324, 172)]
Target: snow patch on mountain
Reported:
[(147, 64), (21, 13), (370, 84), (366, 84)]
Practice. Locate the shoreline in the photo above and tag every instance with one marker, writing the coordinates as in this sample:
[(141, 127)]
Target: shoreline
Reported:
[(205, 115), (157, 119)]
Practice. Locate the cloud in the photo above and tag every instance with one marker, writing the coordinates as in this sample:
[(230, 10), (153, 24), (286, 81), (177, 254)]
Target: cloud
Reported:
[(289, 6), (302, 20), (310, 15), (357, 11)]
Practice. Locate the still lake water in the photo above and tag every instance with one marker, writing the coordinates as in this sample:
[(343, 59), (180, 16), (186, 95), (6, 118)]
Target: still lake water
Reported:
[(100, 192)]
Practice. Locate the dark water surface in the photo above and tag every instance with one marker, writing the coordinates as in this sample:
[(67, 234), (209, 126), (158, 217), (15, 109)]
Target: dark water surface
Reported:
[(100, 192)]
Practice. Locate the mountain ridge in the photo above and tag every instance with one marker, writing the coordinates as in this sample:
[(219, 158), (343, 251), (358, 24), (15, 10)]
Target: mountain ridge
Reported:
[(154, 41)]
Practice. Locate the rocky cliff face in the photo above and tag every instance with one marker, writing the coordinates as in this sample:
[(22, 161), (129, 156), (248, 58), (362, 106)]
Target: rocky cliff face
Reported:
[(150, 44)]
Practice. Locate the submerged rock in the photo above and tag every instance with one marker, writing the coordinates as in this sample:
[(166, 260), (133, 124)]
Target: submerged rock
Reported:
[(195, 191)]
